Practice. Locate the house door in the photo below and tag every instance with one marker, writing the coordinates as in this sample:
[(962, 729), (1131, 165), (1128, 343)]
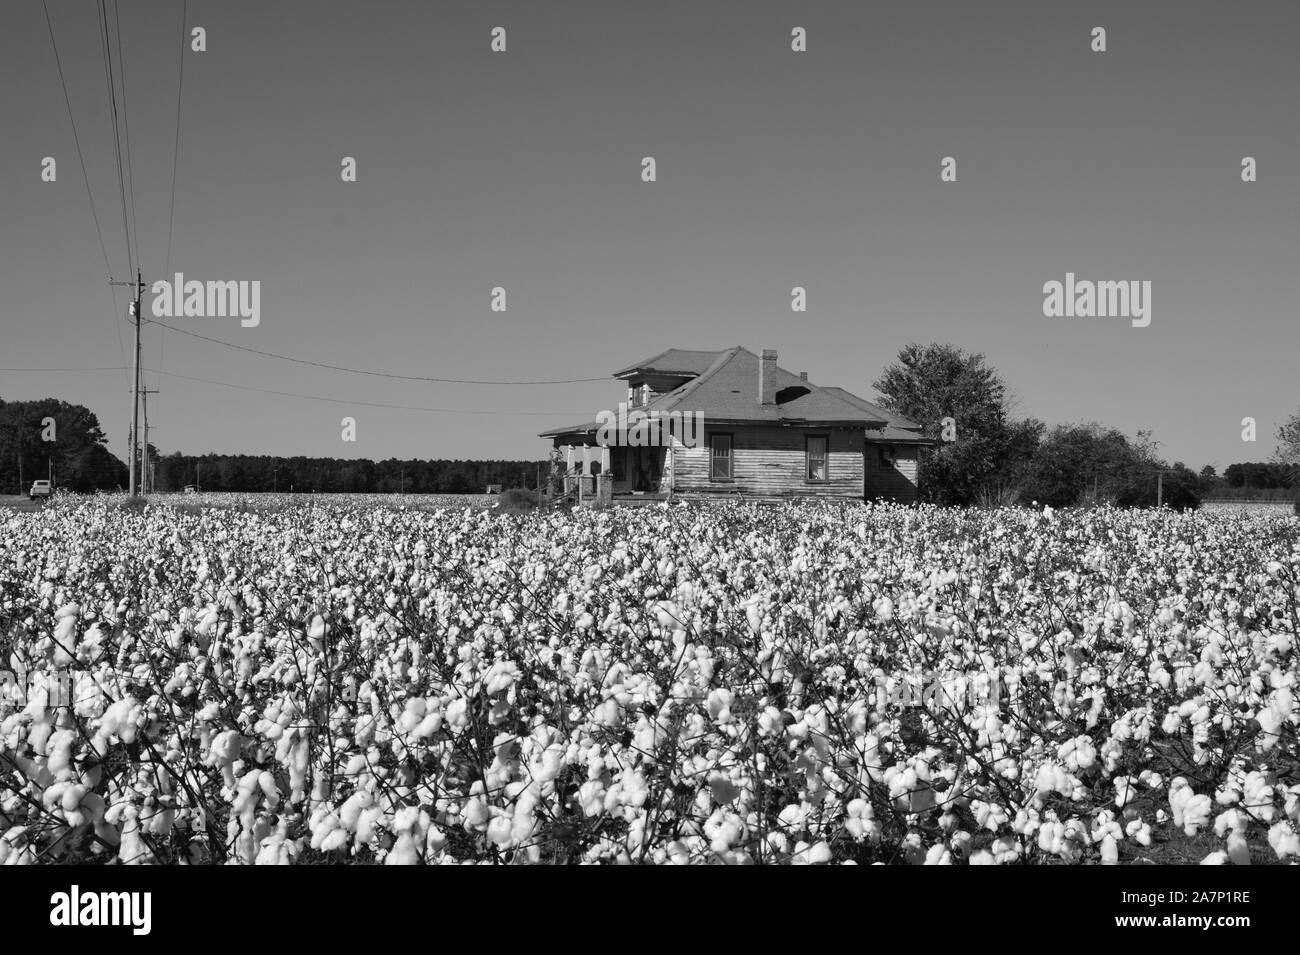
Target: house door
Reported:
[(647, 467)]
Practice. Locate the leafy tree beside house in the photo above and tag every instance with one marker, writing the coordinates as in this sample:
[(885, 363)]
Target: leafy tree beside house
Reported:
[(988, 457), (1287, 452)]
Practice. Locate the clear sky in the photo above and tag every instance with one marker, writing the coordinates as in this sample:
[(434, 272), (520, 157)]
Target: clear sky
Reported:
[(775, 169)]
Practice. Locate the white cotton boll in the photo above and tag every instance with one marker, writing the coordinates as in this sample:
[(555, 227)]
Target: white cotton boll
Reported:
[(1215, 858), (71, 798), (1270, 722), (607, 713), (884, 608), (266, 782), (982, 857), (1238, 850), (60, 750), (350, 812), (1196, 814), (938, 854), (1109, 850), (819, 854), (770, 722), (551, 762), (335, 839), (1139, 832), (792, 817), (499, 830), (591, 797), (1284, 841), (457, 714)]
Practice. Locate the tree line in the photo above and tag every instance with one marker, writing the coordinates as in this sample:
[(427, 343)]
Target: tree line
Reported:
[(996, 457), (243, 472), (986, 455), (49, 438), (52, 438)]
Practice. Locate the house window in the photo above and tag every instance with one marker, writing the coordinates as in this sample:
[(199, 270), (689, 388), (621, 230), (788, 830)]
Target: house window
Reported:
[(886, 456), (720, 457), (816, 449)]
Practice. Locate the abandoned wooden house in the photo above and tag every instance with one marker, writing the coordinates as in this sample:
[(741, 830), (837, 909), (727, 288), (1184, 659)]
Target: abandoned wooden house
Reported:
[(730, 422)]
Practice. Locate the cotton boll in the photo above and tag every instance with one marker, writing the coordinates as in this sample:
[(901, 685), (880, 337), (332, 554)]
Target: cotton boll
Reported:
[(1196, 814), (938, 854), (1109, 850), (1238, 850), (819, 854), (1284, 841)]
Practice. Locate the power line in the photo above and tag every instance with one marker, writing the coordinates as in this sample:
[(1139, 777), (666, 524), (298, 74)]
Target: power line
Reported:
[(117, 132), (99, 234), (88, 368), (365, 404), (126, 123), (176, 152), (374, 374), (176, 144), (294, 394)]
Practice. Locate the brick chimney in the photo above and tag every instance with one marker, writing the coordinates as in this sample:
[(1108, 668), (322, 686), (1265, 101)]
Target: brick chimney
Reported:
[(767, 377)]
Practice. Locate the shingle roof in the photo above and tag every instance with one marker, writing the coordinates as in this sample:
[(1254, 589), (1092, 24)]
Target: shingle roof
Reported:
[(895, 435), (726, 390), (679, 361), (894, 420)]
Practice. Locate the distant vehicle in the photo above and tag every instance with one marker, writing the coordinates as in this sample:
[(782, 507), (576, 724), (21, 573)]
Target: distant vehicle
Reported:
[(494, 488), (191, 489), (39, 489)]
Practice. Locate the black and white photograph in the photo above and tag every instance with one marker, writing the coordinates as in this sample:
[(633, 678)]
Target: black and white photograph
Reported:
[(496, 433)]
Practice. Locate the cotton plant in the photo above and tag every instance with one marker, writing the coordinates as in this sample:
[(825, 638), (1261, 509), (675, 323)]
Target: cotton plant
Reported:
[(677, 685)]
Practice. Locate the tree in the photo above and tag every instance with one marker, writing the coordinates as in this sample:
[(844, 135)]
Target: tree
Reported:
[(929, 383), (1287, 452), (78, 455), (1090, 463)]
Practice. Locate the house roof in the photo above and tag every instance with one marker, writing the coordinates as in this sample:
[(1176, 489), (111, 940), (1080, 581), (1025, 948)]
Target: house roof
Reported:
[(896, 421), (725, 390), (674, 361)]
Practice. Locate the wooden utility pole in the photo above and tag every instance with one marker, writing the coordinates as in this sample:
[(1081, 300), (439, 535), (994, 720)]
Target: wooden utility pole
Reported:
[(136, 310), (146, 465)]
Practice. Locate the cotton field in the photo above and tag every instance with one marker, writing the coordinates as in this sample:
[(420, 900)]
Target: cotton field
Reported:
[(727, 684)]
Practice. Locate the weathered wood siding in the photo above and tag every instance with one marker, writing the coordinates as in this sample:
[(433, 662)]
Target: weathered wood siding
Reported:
[(771, 461), (896, 483)]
